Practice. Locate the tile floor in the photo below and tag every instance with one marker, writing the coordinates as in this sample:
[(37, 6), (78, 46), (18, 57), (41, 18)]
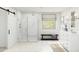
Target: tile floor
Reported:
[(41, 46)]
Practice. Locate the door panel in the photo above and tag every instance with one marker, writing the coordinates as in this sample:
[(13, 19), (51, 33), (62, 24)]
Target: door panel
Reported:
[(12, 33)]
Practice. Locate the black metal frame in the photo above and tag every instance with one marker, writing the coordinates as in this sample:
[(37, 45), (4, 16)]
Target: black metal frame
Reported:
[(52, 37), (7, 10)]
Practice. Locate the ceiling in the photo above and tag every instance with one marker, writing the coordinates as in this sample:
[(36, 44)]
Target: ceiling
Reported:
[(40, 9)]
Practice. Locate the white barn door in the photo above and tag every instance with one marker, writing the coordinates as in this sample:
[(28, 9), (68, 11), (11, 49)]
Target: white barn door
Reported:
[(12, 30)]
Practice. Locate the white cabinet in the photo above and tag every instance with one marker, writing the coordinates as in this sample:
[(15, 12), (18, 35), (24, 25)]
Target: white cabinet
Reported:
[(70, 41), (74, 42), (65, 39)]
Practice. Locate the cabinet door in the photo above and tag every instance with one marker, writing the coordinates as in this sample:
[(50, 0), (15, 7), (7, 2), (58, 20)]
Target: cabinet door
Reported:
[(74, 42), (32, 27)]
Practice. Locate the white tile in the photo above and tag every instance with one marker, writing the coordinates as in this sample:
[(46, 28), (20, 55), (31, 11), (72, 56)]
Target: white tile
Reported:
[(41, 46)]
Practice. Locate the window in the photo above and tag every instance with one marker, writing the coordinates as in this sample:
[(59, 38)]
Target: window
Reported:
[(49, 21)]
